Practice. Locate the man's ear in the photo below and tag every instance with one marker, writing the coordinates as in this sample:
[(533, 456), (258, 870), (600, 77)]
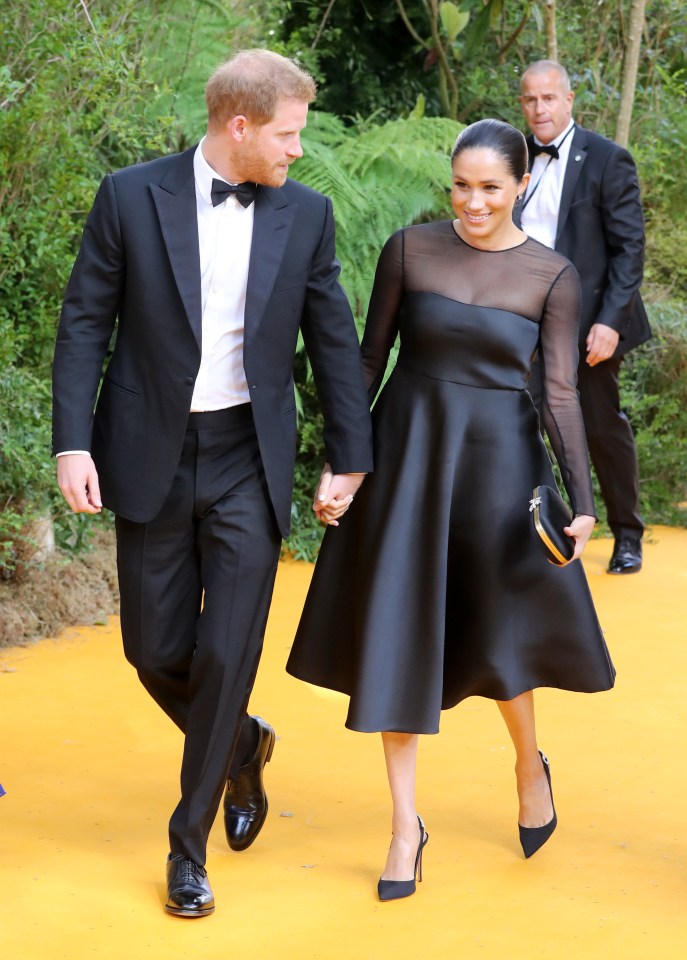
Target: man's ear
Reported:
[(237, 127)]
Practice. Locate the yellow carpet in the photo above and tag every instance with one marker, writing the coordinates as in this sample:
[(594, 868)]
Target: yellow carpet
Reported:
[(89, 765)]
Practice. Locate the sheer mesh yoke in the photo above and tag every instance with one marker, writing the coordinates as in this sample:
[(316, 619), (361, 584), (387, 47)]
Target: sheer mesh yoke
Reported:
[(477, 317)]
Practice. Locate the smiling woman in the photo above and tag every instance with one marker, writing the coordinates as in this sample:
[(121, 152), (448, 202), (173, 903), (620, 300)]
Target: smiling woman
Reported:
[(434, 588), (489, 174)]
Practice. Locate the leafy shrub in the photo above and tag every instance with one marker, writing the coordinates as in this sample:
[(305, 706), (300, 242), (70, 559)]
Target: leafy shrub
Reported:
[(74, 99), (28, 491), (26, 477), (75, 103), (307, 532), (654, 395)]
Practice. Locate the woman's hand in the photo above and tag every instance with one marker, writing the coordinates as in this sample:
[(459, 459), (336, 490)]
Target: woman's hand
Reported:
[(334, 495), (580, 530)]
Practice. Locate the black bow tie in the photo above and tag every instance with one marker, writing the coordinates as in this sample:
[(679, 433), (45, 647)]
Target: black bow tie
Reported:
[(244, 192), (549, 148)]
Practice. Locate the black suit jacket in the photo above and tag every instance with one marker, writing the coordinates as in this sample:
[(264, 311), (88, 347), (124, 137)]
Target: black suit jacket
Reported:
[(601, 231), (138, 268)]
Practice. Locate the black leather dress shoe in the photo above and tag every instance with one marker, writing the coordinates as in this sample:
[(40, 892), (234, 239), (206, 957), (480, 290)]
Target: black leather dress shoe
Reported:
[(188, 888), (245, 802), (627, 556)]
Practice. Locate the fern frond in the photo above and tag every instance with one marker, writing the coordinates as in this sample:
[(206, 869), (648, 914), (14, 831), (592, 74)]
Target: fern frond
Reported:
[(416, 142), (321, 169)]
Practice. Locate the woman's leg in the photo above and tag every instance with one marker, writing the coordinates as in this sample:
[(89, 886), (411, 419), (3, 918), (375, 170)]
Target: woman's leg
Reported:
[(400, 753), (536, 808)]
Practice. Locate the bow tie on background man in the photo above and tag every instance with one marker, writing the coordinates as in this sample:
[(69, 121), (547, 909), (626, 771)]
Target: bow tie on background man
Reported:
[(549, 148), (244, 192)]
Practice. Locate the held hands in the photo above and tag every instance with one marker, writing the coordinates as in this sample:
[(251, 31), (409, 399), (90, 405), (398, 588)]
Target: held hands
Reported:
[(77, 478), (580, 530), (601, 343), (334, 495)]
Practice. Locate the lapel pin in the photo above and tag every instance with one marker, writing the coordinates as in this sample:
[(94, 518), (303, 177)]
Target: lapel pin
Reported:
[(577, 157)]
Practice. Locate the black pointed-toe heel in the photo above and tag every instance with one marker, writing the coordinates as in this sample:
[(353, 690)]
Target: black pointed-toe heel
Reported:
[(397, 889), (532, 838)]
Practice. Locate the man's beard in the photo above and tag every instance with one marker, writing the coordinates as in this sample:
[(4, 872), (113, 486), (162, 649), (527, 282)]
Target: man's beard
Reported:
[(257, 169)]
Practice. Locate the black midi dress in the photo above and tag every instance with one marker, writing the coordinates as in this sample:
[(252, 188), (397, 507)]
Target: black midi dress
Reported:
[(434, 587)]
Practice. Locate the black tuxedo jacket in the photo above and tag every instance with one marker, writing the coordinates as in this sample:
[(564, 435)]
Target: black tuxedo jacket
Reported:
[(138, 270), (601, 231)]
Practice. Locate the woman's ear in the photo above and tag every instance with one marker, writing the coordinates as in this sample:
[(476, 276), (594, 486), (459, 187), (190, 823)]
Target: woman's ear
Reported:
[(522, 186)]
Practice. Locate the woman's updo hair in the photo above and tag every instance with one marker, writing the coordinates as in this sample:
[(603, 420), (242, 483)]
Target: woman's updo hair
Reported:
[(498, 136)]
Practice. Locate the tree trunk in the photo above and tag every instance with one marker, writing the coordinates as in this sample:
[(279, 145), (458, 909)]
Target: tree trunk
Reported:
[(630, 65), (35, 544), (551, 38)]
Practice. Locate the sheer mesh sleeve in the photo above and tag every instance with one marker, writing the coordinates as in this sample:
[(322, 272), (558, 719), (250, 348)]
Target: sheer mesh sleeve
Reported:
[(381, 327), (561, 413)]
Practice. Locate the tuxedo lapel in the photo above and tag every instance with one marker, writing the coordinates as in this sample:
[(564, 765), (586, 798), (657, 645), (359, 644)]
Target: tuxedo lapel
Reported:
[(576, 160), (175, 201), (272, 225)]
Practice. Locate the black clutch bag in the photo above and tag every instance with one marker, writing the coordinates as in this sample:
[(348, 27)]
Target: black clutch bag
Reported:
[(550, 513)]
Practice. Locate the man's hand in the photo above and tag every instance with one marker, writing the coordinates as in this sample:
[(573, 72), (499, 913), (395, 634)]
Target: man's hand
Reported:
[(335, 493), (77, 478), (601, 343)]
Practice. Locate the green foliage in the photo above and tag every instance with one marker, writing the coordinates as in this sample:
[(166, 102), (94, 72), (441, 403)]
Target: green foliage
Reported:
[(398, 169), (25, 470), (28, 490), (73, 91), (198, 35), (657, 152), (26, 477), (306, 532), (74, 98), (654, 392), (358, 51), (453, 20)]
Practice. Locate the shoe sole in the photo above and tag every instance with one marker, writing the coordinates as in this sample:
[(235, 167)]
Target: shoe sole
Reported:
[(190, 914)]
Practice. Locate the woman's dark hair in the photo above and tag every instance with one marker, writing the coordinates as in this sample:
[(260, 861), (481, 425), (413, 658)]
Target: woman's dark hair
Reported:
[(498, 136)]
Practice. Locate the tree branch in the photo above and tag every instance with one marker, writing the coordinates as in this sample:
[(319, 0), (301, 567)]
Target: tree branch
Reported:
[(514, 36), (411, 29), (95, 32), (443, 62), (630, 66), (322, 25)]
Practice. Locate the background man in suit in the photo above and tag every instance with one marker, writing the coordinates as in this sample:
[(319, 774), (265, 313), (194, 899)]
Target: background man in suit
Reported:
[(194, 434), (583, 200)]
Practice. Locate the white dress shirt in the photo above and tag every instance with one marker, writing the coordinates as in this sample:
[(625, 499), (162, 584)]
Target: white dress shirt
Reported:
[(539, 218), (225, 233)]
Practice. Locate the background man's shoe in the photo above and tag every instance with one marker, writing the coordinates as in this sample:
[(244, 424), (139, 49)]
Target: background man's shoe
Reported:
[(188, 888), (627, 556), (245, 802)]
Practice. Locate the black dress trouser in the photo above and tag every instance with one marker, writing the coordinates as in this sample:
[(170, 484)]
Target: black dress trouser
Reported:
[(196, 584), (610, 441)]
